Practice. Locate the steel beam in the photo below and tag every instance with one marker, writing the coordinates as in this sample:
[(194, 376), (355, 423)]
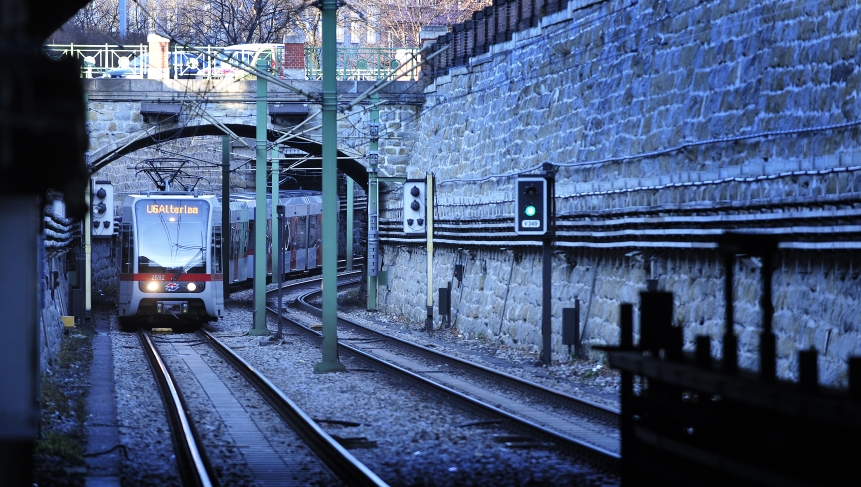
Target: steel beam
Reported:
[(330, 362), (349, 249), (373, 213), (260, 216), (276, 200)]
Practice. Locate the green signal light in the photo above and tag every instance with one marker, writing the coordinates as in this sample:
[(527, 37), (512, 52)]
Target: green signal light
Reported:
[(530, 210)]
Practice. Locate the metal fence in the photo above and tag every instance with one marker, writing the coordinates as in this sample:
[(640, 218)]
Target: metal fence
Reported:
[(363, 63), (130, 61), (96, 59)]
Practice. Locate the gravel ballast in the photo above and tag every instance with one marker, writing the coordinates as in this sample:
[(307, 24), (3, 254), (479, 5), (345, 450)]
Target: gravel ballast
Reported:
[(406, 436)]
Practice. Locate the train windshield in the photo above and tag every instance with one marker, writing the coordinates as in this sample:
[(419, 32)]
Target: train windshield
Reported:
[(172, 235)]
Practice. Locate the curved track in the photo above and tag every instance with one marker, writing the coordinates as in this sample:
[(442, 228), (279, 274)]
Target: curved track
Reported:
[(587, 429)]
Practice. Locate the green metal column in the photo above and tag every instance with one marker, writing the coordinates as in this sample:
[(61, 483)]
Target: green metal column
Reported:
[(260, 214), (349, 248), (276, 200), (225, 214), (88, 253), (373, 213), (330, 361)]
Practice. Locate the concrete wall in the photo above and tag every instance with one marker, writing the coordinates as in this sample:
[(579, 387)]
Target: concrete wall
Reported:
[(725, 115)]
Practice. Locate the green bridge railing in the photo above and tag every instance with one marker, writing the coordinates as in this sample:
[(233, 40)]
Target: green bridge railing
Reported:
[(364, 63), (359, 63)]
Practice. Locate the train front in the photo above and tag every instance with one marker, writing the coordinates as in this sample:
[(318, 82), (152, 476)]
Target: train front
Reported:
[(171, 260)]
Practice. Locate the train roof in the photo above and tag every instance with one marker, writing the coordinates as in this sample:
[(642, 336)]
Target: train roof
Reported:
[(172, 194)]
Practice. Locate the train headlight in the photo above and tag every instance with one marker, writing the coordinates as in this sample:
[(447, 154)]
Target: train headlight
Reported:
[(152, 286), (191, 286)]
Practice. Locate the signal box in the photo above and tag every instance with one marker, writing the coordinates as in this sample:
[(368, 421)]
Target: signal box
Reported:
[(415, 211), (530, 206), (102, 202)]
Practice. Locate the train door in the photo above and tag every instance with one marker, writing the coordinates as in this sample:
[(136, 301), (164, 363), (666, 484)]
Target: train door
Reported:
[(313, 240), (126, 263), (301, 240), (292, 243), (269, 243), (233, 255), (215, 263), (284, 240), (243, 249), (238, 251), (249, 268)]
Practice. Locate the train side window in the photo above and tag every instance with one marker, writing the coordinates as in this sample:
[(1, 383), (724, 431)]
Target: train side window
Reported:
[(216, 249), (127, 250)]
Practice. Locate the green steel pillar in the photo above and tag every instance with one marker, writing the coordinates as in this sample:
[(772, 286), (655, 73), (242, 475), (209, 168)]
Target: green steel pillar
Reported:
[(260, 214), (373, 213), (225, 214), (330, 361), (349, 248), (276, 200)]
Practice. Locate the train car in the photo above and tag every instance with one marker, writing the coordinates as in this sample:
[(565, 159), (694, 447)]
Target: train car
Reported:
[(303, 218), (303, 213), (237, 261), (170, 268)]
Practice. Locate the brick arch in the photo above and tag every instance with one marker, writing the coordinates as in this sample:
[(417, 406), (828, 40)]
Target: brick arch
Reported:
[(108, 154)]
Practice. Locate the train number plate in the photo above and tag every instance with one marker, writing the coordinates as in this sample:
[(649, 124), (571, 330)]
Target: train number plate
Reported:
[(157, 277)]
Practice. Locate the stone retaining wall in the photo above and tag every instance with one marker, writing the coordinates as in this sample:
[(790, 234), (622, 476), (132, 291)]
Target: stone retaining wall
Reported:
[(729, 115)]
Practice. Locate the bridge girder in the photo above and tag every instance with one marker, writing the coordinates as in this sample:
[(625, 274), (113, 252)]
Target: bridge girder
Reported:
[(346, 164)]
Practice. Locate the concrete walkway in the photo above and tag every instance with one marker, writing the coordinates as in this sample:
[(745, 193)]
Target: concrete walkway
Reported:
[(103, 448)]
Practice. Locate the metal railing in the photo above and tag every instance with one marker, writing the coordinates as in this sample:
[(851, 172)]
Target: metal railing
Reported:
[(363, 63), (359, 63), (96, 59), (103, 60)]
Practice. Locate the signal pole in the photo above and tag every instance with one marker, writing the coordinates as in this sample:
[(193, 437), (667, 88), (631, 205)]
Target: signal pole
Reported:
[(225, 214), (373, 213), (546, 261), (535, 214), (260, 215), (330, 361)]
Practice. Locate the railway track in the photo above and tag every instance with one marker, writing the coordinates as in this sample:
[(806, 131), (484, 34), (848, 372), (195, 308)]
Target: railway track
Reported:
[(269, 458), (544, 415)]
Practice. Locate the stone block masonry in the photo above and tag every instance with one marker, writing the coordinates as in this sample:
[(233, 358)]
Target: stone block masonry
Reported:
[(667, 124)]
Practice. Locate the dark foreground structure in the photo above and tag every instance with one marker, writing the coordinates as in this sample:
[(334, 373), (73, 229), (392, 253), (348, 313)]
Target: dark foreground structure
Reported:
[(690, 420), (42, 144)]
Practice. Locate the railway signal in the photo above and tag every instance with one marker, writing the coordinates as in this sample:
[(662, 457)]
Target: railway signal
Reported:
[(534, 215), (531, 206), (103, 208), (415, 214)]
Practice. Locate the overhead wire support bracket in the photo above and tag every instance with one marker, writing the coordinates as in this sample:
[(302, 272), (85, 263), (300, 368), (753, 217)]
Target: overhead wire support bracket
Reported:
[(197, 108), (385, 81)]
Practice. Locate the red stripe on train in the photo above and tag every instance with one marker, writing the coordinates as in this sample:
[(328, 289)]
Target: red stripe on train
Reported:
[(169, 277)]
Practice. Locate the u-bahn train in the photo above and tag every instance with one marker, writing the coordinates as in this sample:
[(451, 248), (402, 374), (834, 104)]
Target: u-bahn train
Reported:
[(171, 251)]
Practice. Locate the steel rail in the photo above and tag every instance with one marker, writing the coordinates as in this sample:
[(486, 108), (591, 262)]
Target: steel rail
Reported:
[(599, 456), (193, 465), (335, 456), (579, 405)]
